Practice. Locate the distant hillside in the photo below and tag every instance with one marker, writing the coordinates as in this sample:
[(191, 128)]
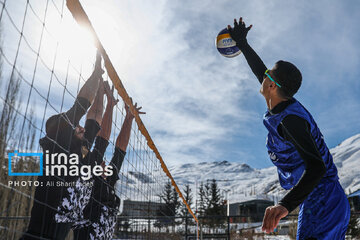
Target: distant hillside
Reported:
[(248, 183), (245, 182)]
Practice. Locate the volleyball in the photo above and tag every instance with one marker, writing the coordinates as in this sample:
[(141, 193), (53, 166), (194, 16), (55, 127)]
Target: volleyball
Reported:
[(226, 45)]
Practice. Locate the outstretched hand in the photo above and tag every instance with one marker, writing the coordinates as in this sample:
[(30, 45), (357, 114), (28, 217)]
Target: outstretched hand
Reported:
[(272, 217), (128, 112), (110, 94), (240, 31)]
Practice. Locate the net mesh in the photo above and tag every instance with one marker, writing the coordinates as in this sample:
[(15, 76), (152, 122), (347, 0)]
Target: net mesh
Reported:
[(44, 63)]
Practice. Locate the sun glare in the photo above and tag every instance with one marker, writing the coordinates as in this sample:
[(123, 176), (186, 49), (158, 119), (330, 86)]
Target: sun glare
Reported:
[(76, 44), (73, 43)]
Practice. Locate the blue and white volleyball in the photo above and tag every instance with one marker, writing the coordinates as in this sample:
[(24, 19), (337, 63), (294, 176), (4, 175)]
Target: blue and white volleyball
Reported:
[(226, 45)]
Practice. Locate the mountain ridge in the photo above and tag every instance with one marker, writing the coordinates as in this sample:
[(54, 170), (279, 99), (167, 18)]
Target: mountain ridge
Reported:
[(246, 183)]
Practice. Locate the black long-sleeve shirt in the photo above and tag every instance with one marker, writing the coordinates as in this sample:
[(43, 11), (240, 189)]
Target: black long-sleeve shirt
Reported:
[(103, 190), (59, 139), (295, 130), (102, 208)]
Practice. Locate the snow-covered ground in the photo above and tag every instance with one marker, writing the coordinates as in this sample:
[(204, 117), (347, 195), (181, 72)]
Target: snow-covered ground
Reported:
[(277, 237)]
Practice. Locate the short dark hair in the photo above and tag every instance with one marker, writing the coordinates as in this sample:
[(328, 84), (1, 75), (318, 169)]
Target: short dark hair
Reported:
[(51, 125), (55, 124), (288, 76)]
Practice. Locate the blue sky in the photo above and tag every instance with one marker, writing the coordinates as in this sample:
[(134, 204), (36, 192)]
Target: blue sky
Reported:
[(204, 107)]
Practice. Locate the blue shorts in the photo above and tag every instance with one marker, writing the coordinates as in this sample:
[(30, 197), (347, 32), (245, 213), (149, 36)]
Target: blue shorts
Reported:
[(325, 214)]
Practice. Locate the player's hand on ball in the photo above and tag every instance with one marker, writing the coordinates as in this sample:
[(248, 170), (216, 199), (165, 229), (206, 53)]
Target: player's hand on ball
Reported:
[(240, 31), (272, 217)]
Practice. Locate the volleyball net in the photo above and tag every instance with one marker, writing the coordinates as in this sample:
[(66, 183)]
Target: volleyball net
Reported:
[(43, 65)]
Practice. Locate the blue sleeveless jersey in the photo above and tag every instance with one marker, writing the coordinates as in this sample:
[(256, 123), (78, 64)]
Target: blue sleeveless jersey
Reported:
[(325, 213), (283, 153)]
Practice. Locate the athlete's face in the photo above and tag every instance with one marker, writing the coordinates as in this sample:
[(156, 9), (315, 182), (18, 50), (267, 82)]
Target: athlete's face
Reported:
[(268, 87), (263, 86)]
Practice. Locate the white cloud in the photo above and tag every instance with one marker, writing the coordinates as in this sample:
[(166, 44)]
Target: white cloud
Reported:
[(196, 100), (193, 96)]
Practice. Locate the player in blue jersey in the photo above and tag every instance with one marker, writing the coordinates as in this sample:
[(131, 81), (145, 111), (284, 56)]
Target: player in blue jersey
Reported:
[(298, 150)]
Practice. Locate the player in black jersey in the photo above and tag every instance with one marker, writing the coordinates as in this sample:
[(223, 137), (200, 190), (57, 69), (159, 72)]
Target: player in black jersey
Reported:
[(55, 208), (100, 213)]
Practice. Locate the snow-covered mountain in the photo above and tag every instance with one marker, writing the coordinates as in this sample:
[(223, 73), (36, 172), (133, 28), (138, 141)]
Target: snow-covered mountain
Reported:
[(347, 159), (246, 183)]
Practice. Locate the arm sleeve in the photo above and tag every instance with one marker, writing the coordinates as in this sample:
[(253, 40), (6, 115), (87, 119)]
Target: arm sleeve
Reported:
[(256, 64), (78, 110), (116, 162), (103, 190), (96, 156), (92, 127), (297, 131)]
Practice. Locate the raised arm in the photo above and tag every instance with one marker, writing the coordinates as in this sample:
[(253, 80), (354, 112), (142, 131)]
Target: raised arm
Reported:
[(102, 139), (89, 89), (238, 34), (123, 139), (86, 94), (107, 118), (60, 126), (97, 108), (94, 118), (121, 144)]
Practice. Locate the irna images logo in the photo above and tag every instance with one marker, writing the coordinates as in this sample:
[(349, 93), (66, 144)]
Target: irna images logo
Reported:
[(57, 164), (16, 156)]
